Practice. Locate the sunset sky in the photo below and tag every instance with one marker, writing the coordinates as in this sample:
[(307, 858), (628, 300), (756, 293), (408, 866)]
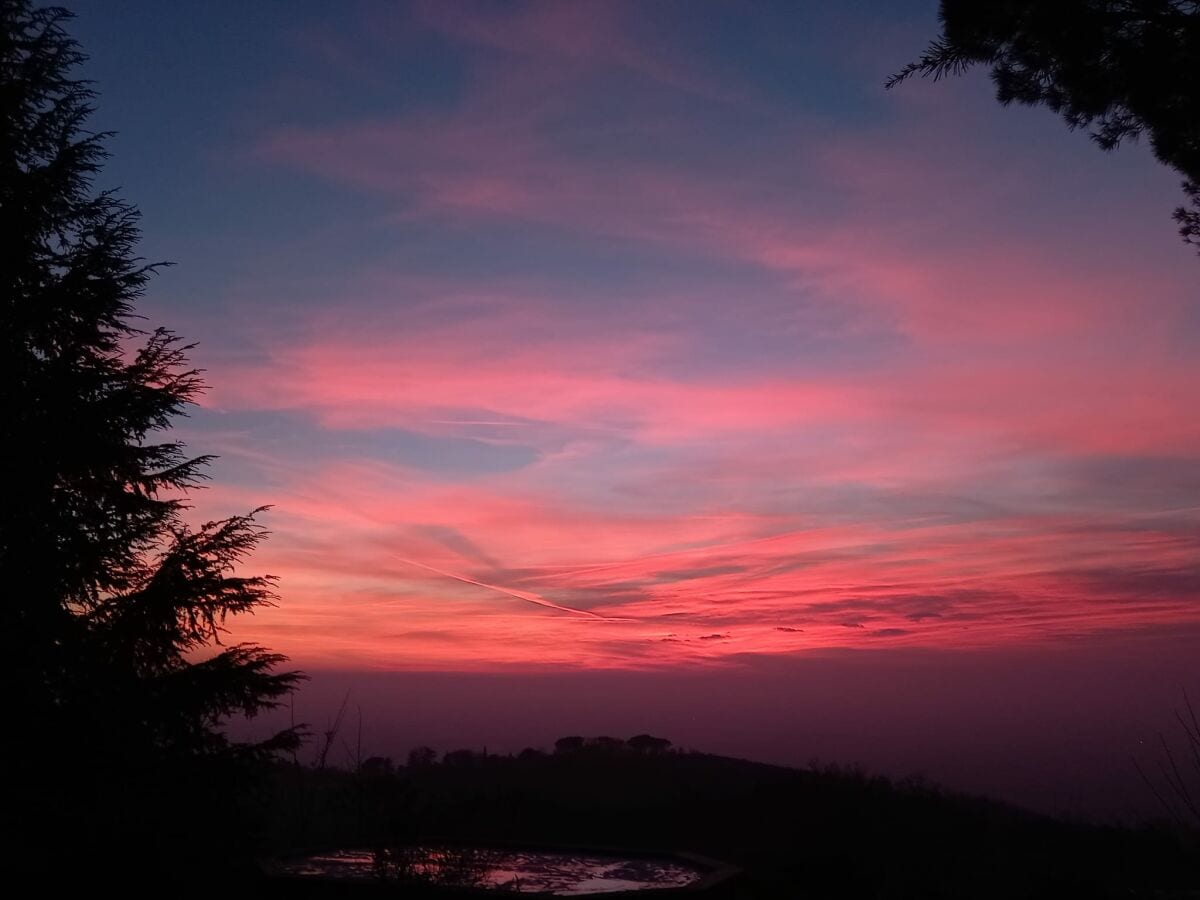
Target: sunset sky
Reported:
[(658, 337)]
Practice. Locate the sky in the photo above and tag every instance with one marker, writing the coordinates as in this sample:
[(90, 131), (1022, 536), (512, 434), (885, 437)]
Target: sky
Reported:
[(654, 351)]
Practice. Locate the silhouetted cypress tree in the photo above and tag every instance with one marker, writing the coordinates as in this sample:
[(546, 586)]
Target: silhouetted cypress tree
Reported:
[(1120, 68), (111, 607)]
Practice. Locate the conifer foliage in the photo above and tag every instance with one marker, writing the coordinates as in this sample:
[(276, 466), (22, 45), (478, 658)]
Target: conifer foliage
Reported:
[(1121, 69), (113, 606)]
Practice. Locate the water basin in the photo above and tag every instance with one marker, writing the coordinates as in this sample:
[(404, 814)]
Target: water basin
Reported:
[(558, 873)]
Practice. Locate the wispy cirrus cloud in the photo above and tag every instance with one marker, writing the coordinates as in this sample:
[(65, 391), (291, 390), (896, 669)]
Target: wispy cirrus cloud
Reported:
[(658, 369)]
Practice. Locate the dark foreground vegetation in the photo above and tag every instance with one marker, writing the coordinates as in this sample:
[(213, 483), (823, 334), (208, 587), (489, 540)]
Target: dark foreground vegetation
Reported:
[(813, 833), (115, 676)]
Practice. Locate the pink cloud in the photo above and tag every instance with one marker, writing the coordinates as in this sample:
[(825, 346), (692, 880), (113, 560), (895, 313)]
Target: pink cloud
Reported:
[(345, 541), (936, 493), (613, 384), (935, 283)]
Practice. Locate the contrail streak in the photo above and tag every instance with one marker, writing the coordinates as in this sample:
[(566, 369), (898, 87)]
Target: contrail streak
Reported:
[(519, 595)]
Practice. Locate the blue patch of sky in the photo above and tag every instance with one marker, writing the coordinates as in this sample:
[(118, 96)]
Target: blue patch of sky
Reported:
[(175, 83), (188, 94), (291, 439), (797, 55)]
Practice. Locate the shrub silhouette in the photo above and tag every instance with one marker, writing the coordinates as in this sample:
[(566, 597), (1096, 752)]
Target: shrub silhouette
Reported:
[(646, 743), (422, 756)]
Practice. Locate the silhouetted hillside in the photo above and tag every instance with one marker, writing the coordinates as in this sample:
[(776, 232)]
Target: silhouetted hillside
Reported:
[(817, 833)]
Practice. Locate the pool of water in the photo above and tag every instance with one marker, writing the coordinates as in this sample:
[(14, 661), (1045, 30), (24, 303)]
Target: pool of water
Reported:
[(565, 874)]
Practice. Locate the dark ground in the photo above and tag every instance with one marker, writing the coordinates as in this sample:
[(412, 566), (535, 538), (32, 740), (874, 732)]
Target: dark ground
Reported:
[(794, 833)]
